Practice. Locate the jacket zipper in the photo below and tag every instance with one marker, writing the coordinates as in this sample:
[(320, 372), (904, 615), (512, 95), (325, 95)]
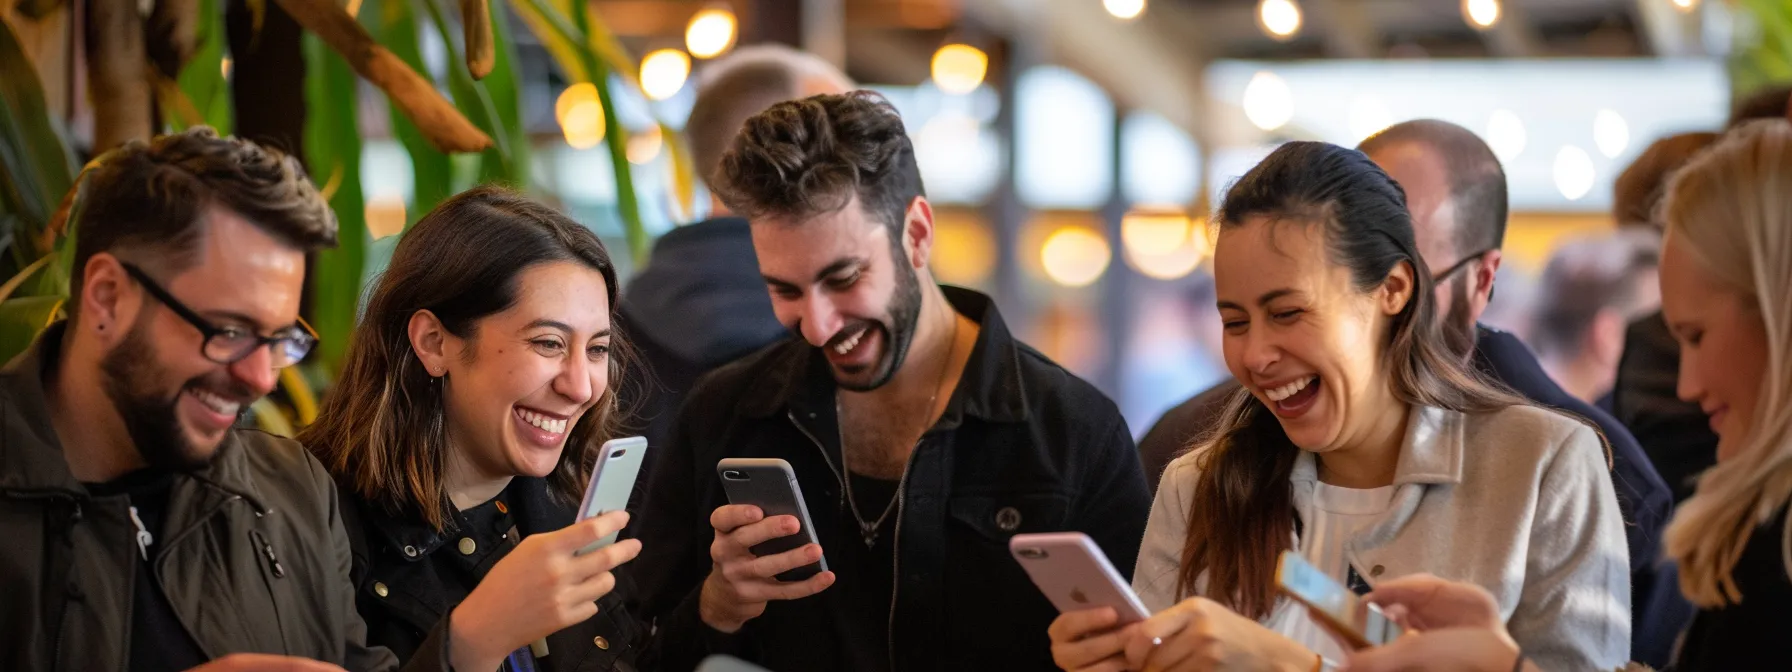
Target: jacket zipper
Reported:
[(895, 544), (69, 602), (838, 477)]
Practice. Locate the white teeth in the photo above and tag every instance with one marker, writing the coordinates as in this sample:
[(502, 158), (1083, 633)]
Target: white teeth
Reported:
[(544, 423), (847, 345), (1290, 389), (219, 404)]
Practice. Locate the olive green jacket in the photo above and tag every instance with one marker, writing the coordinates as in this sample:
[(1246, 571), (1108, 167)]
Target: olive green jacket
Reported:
[(253, 559)]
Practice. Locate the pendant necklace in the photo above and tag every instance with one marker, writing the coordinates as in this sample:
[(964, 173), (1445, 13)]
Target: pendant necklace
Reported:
[(869, 530)]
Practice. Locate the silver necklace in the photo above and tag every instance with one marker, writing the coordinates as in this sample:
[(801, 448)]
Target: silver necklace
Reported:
[(869, 530)]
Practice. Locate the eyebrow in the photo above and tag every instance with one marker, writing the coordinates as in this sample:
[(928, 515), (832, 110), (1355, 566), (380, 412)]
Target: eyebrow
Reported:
[(836, 267), (1264, 300), (562, 326)]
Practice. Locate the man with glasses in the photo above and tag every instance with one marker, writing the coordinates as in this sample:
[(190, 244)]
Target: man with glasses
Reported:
[(1456, 191), (143, 531)]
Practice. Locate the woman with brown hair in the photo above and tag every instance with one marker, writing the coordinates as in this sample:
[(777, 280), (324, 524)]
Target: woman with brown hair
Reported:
[(461, 434), (1361, 445)]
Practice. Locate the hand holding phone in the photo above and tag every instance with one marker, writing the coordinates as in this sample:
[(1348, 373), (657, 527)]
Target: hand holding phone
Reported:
[(764, 546), (1077, 578), (1356, 622)]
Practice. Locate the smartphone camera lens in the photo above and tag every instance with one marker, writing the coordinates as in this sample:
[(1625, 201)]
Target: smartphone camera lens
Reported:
[(1034, 554), (618, 453), (733, 475)]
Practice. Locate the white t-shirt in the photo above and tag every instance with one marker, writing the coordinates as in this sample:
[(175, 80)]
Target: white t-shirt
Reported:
[(1338, 514)]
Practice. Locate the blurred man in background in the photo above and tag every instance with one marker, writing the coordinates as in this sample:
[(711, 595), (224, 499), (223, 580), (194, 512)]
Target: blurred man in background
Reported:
[(700, 303), (1456, 190), (1597, 286)]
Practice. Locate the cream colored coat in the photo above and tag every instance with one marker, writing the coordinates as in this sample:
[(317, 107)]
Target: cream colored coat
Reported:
[(1518, 501)]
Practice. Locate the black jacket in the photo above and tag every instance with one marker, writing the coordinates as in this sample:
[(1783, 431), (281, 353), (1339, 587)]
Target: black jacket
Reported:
[(253, 555), (1675, 434), (1023, 446), (397, 588), (1750, 635), (1658, 611)]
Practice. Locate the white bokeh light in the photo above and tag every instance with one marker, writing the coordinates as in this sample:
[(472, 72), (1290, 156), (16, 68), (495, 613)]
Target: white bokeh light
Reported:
[(1267, 101), (1124, 9), (1505, 134), (1611, 134), (1280, 18), (1481, 13), (1574, 172)]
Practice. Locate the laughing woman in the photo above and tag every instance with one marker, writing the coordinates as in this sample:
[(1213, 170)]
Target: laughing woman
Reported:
[(1361, 445), (476, 388)]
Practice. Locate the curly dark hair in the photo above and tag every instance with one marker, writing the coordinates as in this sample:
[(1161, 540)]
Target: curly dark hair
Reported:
[(151, 196), (808, 157)]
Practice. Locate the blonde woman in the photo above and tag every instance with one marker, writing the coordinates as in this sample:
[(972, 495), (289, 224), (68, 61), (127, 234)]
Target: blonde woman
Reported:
[(1726, 289)]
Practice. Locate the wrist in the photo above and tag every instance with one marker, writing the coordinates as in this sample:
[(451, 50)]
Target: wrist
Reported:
[(712, 609), (466, 646)]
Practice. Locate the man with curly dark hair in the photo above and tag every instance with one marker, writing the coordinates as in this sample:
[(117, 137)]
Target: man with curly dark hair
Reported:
[(922, 434)]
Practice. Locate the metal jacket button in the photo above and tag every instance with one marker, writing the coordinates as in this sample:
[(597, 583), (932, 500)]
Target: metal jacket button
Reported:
[(1008, 519), (380, 589), (602, 644), (467, 546), (410, 551)]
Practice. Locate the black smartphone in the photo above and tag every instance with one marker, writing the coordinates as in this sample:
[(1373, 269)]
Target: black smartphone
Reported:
[(770, 484)]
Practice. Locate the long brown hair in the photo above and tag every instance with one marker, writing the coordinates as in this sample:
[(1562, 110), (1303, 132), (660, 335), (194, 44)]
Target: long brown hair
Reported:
[(381, 427), (1242, 513)]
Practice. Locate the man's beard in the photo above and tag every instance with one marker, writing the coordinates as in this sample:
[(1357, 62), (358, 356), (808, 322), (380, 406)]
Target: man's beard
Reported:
[(898, 327), (132, 375), (1459, 325)]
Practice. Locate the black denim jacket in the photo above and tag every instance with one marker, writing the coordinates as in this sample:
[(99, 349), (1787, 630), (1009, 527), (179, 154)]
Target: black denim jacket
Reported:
[(398, 592), (1023, 446)]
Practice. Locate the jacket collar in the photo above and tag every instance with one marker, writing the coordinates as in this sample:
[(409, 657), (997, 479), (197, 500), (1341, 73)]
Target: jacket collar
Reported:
[(531, 508), (797, 376), (31, 456), (1431, 453)]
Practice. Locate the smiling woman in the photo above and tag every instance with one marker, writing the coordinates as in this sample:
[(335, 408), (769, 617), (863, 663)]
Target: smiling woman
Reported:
[(462, 431), (1359, 442)]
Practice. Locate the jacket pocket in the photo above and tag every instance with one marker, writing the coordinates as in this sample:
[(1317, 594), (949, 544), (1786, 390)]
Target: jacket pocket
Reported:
[(996, 518)]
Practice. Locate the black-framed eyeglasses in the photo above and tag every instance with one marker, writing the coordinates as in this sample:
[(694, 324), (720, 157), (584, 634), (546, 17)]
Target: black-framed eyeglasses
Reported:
[(229, 345), (1458, 266)]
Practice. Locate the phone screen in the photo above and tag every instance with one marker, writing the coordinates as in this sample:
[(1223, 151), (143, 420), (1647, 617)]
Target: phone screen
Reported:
[(1363, 624)]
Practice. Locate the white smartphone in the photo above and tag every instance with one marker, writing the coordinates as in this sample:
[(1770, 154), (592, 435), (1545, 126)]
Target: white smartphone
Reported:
[(770, 484), (1359, 623), (1075, 575), (612, 479)]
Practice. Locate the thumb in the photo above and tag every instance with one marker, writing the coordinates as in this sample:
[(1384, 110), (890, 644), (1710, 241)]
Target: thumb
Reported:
[(585, 532)]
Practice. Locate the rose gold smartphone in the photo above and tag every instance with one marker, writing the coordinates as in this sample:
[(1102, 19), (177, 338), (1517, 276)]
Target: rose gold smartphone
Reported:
[(1075, 575)]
